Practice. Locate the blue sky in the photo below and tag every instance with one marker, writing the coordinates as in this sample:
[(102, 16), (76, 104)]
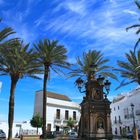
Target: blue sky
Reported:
[(79, 25)]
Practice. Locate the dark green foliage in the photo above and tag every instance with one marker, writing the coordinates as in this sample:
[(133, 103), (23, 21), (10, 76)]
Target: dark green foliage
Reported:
[(52, 54), (93, 63), (130, 69), (36, 121), (4, 34), (16, 61), (71, 122)]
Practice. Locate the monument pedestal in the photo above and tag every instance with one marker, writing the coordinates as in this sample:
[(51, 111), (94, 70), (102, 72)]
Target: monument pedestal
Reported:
[(95, 122), (95, 119)]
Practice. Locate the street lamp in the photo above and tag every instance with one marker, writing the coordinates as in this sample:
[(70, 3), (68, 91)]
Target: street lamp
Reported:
[(135, 131), (80, 83), (107, 87), (133, 116)]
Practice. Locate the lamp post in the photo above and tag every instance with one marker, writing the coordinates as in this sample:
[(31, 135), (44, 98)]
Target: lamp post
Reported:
[(87, 86), (133, 116), (135, 131)]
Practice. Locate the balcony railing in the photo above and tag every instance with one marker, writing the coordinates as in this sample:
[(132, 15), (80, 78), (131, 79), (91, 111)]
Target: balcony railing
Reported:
[(117, 122), (57, 120)]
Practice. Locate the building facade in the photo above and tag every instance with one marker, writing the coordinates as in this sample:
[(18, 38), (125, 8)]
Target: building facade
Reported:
[(59, 109), (121, 112)]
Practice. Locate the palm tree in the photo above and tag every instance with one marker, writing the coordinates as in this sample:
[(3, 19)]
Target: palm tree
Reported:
[(16, 62), (137, 26), (130, 69), (93, 63), (52, 57)]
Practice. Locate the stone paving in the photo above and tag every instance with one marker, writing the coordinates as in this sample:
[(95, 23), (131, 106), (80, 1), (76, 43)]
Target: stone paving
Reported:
[(68, 138)]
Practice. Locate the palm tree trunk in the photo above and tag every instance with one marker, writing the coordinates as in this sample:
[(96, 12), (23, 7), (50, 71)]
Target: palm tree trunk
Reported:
[(45, 99), (11, 107)]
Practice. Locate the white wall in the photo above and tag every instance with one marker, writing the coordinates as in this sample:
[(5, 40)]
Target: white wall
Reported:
[(124, 104), (25, 126), (52, 106)]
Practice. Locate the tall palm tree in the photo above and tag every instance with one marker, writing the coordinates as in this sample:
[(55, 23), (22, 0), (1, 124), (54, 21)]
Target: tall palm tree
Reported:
[(16, 62), (93, 63), (52, 56), (130, 69), (137, 26)]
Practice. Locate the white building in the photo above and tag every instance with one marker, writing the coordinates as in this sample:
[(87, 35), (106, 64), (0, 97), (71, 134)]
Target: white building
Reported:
[(59, 109), (121, 112), (19, 128)]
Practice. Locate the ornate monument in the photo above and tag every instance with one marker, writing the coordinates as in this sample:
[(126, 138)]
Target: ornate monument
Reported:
[(95, 120)]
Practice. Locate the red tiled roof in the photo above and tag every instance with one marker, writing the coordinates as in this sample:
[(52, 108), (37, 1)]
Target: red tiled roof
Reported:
[(57, 96)]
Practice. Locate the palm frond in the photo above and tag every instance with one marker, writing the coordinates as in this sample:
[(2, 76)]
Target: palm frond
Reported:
[(5, 33), (130, 69), (18, 61), (53, 55), (133, 26), (137, 26), (137, 3), (137, 43), (92, 62), (123, 83), (109, 74)]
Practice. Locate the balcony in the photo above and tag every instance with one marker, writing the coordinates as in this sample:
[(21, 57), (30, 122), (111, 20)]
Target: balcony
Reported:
[(128, 116), (58, 120), (117, 122), (138, 112)]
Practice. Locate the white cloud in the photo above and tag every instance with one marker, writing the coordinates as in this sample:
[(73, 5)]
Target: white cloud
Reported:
[(76, 6), (131, 12), (106, 25), (113, 2), (16, 22), (103, 26)]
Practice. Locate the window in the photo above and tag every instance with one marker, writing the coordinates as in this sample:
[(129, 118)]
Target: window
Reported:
[(118, 107), (115, 119), (58, 114), (128, 129), (66, 115), (74, 115), (116, 132), (119, 119), (120, 130), (126, 113)]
